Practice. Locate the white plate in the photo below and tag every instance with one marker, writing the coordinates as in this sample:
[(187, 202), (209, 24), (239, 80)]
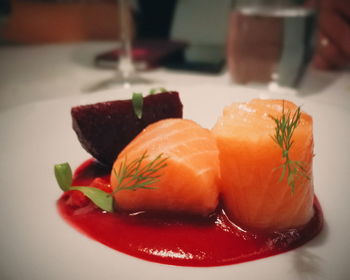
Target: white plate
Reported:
[(37, 244)]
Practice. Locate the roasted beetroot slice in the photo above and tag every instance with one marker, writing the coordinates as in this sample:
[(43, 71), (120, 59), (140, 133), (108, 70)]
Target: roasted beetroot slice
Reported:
[(104, 129)]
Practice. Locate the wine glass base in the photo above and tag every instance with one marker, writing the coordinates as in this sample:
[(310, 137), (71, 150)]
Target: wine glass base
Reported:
[(118, 80)]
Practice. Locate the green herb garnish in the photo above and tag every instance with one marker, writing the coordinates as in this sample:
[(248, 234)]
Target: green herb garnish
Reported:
[(130, 176), (63, 173), (137, 100), (133, 176), (157, 90), (285, 127), (137, 103), (99, 197)]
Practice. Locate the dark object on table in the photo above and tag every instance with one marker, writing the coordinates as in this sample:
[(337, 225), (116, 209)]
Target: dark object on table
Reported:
[(200, 58), (104, 129), (147, 54), (203, 25), (204, 67)]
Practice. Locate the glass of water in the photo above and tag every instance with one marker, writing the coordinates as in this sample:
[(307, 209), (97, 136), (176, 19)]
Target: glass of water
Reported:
[(270, 42), (125, 73)]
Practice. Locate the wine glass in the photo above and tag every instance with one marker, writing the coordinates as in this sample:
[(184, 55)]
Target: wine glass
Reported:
[(271, 42), (125, 74)]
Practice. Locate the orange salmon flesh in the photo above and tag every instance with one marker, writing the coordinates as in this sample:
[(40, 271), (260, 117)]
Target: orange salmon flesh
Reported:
[(253, 194), (189, 182)]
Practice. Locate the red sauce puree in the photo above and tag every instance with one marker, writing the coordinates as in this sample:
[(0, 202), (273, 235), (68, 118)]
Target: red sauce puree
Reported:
[(185, 241)]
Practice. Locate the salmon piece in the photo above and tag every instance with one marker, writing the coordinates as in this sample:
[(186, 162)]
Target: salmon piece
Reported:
[(189, 182), (253, 195)]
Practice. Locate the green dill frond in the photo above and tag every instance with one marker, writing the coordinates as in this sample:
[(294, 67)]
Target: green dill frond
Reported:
[(132, 176), (284, 130)]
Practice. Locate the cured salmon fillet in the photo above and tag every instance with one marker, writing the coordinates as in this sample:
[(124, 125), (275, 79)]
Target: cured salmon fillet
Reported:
[(189, 182), (253, 194)]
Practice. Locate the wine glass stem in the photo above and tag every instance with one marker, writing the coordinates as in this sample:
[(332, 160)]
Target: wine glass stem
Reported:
[(125, 64)]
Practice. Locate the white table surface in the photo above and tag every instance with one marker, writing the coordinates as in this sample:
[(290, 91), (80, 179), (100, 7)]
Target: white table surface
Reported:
[(34, 73)]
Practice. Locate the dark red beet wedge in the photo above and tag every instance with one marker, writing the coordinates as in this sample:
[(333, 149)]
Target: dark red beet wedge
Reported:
[(104, 129)]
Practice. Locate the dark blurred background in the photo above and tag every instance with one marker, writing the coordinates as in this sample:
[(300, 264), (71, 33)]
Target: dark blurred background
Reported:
[(204, 23), (45, 21), (154, 18), (5, 7)]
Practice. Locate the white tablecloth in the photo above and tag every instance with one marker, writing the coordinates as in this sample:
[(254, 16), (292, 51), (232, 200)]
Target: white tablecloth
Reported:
[(33, 73)]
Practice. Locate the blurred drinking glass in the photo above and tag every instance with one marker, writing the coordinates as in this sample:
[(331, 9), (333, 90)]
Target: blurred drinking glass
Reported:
[(271, 42), (125, 74)]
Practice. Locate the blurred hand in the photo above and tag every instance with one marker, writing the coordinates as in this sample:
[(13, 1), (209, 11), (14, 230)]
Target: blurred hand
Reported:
[(333, 40)]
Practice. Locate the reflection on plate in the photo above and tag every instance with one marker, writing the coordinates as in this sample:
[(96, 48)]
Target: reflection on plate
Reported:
[(37, 244)]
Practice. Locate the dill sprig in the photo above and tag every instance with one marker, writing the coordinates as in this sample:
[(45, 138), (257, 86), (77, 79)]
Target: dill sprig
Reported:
[(285, 127), (133, 176)]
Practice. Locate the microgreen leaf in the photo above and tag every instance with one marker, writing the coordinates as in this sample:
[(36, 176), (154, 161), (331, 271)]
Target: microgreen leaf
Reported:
[(63, 174), (130, 176), (137, 103), (100, 198), (157, 90)]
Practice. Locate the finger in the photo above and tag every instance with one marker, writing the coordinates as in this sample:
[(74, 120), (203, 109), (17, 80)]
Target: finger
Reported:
[(336, 30), (333, 4), (330, 53), (342, 7), (320, 63)]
